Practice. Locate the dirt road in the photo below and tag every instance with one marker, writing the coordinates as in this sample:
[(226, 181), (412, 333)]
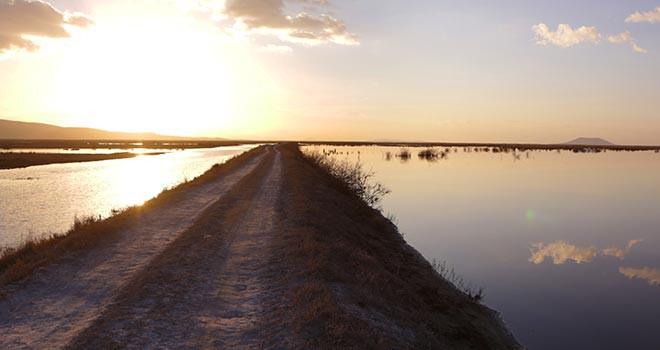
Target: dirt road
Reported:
[(53, 306), (274, 254)]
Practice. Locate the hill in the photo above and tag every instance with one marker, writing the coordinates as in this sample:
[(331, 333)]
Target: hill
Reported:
[(589, 141), (10, 129)]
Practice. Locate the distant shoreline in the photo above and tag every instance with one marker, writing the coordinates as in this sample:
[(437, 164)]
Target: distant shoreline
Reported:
[(509, 146), (16, 160), (9, 144)]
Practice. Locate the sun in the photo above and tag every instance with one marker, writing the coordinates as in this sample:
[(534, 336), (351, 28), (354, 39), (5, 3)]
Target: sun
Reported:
[(149, 74)]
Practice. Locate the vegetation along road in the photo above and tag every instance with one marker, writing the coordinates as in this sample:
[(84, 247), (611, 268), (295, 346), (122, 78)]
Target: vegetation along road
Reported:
[(265, 251)]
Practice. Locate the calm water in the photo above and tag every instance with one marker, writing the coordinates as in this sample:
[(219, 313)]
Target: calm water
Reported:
[(566, 245), (45, 199)]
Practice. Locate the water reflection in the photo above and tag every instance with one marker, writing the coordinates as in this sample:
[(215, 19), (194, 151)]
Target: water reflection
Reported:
[(562, 251), (646, 273), (44, 199), (621, 253), (496, 215)]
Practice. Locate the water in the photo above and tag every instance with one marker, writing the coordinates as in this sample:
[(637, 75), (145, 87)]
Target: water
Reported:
[(41, 200), (567, 246)]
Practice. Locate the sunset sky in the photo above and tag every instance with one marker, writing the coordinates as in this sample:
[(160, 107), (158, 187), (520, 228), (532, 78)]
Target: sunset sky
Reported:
[(424, 70)]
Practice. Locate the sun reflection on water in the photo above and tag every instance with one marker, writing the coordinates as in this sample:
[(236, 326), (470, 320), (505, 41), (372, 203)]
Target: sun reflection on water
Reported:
[(58, 192)]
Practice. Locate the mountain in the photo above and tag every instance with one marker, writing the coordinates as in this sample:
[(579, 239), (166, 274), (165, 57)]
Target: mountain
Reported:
[(589, 141), (10, 129)]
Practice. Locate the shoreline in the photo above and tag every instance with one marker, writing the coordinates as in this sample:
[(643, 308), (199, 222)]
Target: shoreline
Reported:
[(286, 256), (19, 160), (498, 146)]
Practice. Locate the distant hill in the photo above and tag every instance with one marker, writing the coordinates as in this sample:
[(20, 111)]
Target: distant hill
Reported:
[(589, 141), (10, 129)]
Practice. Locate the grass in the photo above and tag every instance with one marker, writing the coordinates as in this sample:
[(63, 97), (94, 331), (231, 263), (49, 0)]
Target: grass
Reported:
[(404, 154), (352, 175), (91, 231), (449, 274), (354, 280), (431, 154)]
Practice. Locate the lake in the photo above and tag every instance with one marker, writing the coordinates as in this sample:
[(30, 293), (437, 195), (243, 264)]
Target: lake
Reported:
[(566, 245), (42, 200)]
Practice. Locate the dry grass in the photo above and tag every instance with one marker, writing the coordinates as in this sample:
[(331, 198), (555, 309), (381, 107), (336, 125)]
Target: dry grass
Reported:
[(86, 232), (353, 175), (404, 154), (449, 274), (355, 281)]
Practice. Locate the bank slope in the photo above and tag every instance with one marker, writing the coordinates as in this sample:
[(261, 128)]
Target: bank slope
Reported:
[(357, 283)]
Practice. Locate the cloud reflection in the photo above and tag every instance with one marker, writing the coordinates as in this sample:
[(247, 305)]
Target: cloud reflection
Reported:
[(646, 273), (561, 251), (621, 253)]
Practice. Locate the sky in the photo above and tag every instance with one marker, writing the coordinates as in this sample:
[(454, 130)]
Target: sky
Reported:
[(422, 70)]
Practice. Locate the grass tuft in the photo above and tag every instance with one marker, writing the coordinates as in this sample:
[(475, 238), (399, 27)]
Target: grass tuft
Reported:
[(352, 175), (449, 274)]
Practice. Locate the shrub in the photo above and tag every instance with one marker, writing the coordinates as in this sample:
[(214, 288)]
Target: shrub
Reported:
[(429, 154), (404, 154), (352, 175)]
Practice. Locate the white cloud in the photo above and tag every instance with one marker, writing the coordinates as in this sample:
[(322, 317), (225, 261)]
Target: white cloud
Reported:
[(652, 16), (638, 49), (646, 273), (623, 38), (276, 48), (270, 17), (565, 36), (620, 38), (20, 19)]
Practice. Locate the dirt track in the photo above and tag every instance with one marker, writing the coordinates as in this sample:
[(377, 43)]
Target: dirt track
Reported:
[(273, 254)]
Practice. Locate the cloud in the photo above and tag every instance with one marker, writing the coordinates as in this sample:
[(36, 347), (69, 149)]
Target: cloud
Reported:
[(623, 38), (565, 36), (647, 273), (562, 251), (652, 16), (270, 17), (276, 48), (621, 253), (638, 49), (20, 19), (620, 38)]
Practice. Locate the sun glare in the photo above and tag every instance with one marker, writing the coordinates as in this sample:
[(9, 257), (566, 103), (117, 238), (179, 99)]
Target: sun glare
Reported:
[(159, 75)]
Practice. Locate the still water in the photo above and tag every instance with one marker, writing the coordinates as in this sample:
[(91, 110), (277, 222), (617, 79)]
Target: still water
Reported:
[(41, 200), (567, 246)]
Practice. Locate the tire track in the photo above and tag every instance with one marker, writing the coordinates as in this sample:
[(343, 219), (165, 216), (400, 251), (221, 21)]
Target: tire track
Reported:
[(55, 304), (213, 287)]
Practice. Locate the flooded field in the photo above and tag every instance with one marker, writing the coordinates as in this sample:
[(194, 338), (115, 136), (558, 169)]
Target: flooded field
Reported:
[(45, 199), (564, 244)]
